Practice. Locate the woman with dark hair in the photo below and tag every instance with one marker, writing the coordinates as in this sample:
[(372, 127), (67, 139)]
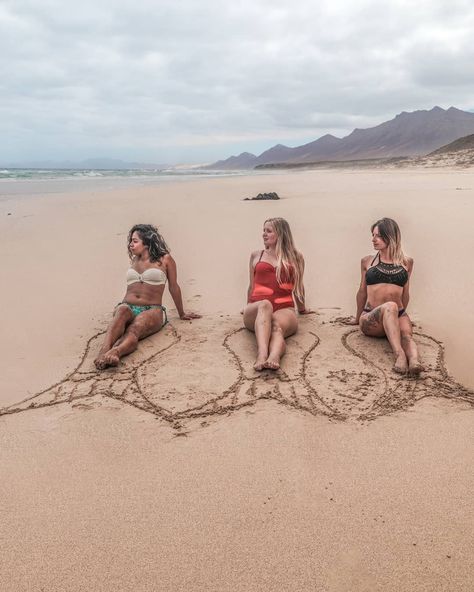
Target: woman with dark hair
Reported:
[(383, 296), (141, 313), (276, 285)]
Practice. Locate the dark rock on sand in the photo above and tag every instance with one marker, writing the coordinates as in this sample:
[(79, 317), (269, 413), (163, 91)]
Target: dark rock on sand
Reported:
[(262, 196)]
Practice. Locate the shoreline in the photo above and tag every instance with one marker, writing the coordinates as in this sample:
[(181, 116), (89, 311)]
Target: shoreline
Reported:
[(28, 187)]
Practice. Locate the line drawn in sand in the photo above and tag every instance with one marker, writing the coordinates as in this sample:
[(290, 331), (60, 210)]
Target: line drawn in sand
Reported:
[(86, 382), (338, 373), (363, 383), (147, 380)]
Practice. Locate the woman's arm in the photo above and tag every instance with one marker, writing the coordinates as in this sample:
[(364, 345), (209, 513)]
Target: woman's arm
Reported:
[(251, 275), (406, 287), (300, 305), (361, 297), (175, 290), (300, 302)]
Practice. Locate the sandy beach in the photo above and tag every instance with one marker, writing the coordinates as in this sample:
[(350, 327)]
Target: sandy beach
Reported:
[(184, 469)]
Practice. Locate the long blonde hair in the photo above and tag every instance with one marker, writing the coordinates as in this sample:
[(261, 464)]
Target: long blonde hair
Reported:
[(289, 259), (390, 233)]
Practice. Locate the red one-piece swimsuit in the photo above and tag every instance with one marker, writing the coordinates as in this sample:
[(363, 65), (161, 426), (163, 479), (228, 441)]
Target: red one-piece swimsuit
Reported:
[(266, 286)]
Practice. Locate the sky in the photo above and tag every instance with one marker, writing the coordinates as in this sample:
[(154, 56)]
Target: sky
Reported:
[(188, 81)]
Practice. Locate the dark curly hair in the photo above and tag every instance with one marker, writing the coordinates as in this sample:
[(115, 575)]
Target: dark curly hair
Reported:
[(151, 238)]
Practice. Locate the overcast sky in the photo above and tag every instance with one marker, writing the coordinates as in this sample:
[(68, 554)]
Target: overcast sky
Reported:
[(169, 81)]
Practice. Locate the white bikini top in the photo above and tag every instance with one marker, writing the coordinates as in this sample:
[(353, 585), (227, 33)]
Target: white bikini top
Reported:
[(152, 276)]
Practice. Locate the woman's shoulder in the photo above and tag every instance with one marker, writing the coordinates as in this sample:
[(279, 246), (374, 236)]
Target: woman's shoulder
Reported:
[(366, 260), (165, 260), (409, 263)]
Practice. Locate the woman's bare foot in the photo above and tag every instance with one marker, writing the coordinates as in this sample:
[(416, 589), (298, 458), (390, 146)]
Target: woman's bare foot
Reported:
[(414, 367), (99, 362), (260, 363), (401, 365), (110, 358), (272, 364)]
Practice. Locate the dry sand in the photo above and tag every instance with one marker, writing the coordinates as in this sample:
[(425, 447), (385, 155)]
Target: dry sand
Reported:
[(184, 469)]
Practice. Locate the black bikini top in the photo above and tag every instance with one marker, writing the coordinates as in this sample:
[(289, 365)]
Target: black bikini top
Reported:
[(386, 273)]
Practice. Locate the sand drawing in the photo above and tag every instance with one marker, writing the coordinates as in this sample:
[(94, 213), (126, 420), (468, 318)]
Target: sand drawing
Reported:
[(206, 371)]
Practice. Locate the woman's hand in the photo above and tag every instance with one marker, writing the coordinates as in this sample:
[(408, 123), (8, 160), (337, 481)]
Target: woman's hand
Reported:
[(347, 320), (307, 311), (189, 316)]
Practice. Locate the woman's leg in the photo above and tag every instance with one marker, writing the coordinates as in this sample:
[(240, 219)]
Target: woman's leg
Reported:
[(284, 324), (383, 320), (258, 318), (409, 346), (122, 317), (143, 325)]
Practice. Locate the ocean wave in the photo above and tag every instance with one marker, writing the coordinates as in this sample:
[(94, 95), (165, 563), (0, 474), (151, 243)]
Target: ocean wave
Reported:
[(64, 174), (28, 182), (88, 174)]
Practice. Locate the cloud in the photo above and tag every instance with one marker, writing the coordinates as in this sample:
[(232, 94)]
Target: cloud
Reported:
[(158, 80)]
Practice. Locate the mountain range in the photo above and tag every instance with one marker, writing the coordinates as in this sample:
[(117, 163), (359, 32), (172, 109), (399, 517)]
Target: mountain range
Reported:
[(408, 134)]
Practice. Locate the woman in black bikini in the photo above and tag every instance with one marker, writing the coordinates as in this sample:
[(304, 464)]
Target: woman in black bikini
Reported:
[(384, 294)]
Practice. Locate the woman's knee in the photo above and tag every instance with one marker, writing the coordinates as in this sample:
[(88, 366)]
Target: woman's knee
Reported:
[(276, 326), (265, 306), (133, 335), (390, 307), (286, 325)]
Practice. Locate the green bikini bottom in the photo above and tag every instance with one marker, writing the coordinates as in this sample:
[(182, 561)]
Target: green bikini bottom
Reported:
[(137, 309)]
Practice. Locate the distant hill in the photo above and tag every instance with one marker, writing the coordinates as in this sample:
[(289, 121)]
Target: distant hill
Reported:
[(457, 154), (246, 160), (464, 143), (408, 134)]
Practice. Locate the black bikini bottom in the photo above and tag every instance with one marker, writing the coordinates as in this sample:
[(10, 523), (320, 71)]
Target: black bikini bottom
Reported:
[(401, 311)]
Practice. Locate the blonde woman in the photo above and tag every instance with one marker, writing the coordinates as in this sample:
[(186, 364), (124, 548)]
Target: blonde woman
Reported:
[(383, 296), (275, 287)]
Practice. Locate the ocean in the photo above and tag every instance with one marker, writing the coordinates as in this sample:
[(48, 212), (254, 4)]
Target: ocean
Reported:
[(15, 181)]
